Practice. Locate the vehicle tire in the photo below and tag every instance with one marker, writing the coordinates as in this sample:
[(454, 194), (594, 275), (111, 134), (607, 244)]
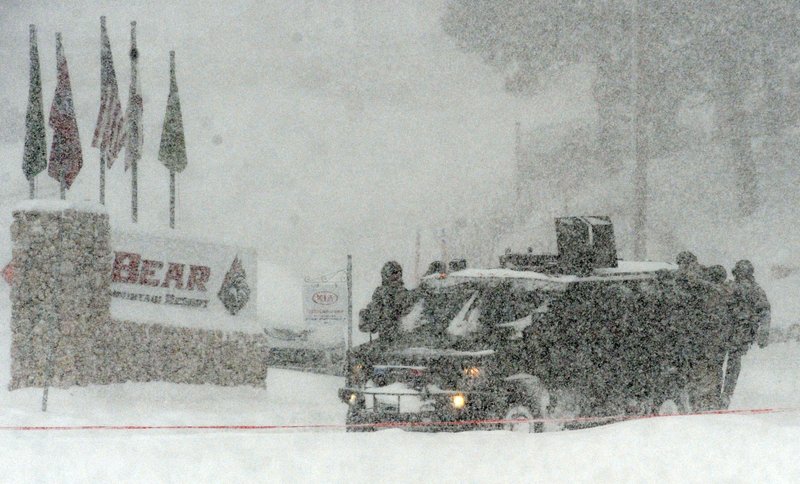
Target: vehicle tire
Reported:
[(681, 404), (354, 423), (520, 412)]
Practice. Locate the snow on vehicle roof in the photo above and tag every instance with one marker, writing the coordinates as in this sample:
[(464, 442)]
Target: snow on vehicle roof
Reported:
[(597, 221), (530, 280)]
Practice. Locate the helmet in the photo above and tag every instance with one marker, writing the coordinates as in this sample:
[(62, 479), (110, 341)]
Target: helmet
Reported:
[(717, 273), (686, 258), (436, 267), (743, 269), (391, 272)]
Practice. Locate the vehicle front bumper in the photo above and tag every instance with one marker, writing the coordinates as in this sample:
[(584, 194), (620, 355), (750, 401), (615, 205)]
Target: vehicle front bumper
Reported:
[(438, 414)]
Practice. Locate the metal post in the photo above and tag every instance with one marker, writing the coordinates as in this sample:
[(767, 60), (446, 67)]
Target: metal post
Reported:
[(639, 143), (416, 259), (172, 199), (34, 58), (445, 257), (349, 302), (102, 177), (134, 192), (134, 161), (62, 181)]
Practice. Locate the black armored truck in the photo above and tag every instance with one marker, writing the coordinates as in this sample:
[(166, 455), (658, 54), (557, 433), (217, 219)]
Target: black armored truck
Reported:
[(543, 342)]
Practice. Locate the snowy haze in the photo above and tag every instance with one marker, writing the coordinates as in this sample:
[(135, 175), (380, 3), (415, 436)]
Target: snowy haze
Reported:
[(320, 129), (313, 129)]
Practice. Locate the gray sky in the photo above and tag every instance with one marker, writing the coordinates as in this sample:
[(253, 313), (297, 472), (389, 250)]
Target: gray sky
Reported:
[(313, 128)]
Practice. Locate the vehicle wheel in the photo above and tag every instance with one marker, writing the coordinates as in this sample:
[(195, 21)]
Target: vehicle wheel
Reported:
[(681, 404), (522, 413), (354, 422)]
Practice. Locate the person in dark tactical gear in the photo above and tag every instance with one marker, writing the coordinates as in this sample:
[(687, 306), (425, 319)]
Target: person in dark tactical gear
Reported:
[(436, 267), (687, 262), (390, 302), (712, 339), (688, 322), (749, 316), (691, 284)]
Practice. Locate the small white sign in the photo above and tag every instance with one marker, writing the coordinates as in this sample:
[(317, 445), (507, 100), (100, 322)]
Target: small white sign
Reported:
[(325, 312)]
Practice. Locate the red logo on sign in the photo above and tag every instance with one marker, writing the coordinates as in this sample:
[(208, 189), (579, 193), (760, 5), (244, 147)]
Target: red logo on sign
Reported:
[(8, 273), (324, 297)]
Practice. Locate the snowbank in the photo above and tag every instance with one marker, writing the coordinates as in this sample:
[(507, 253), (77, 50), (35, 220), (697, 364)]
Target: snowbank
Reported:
[(737, 448), (58, 205)]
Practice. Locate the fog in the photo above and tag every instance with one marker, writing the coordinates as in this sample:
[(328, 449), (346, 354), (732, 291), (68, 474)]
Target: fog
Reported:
[(412, 131), (320, 129), (313, 129)]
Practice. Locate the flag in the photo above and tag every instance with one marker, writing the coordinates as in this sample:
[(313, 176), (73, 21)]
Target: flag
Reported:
[(34, 159), (234, 292), (133, 116), (109, 134), (172, 152), (65, 152)]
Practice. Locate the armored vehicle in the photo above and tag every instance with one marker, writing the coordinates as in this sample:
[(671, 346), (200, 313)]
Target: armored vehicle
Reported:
[(542, 342)]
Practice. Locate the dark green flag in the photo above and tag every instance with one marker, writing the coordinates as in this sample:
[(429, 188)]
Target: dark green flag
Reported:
[(34, 161), (173, 147)]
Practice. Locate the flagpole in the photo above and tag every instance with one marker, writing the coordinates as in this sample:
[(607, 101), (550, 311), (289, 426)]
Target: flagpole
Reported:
[(134, 162), (349, 303), (62, 181), (102, 177), (66, 147), (34, 159), (172, 152), (134, 192), (102, 150), (172, 170), (109, 132), (32, 29), (172, 199), (416, 258)]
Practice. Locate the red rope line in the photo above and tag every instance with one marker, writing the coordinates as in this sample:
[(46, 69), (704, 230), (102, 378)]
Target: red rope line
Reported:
[(618, 418)]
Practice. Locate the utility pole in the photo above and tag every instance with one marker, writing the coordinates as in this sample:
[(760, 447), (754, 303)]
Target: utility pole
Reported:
[(349, 303), (416, 259), (639, 143)]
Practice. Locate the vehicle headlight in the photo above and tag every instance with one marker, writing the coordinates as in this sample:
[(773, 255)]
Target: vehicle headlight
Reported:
[(458, 401), (472, 372)]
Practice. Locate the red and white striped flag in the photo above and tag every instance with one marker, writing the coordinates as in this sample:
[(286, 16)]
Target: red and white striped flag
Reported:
[(109, 134)]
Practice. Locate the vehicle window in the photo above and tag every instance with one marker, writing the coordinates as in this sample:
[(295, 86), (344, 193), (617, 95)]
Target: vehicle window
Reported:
[(466, 320), (504, 304), (435, 310), (415, 318)]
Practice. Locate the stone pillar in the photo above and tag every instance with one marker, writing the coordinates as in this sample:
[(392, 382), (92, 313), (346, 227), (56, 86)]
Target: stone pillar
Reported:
[(60, 295)]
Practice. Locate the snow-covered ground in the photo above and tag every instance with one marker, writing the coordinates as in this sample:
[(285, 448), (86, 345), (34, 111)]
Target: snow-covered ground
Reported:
[(717, 448), (322, 122)]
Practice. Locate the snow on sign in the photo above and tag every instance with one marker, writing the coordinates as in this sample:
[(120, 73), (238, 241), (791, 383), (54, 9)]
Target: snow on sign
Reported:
[(325, 311), (168, 276)]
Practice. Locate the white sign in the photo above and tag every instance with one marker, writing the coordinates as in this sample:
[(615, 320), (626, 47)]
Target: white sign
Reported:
[(325, 311), (169, 278)]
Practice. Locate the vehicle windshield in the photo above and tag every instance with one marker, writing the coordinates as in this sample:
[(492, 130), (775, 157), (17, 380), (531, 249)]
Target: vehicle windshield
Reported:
[(469, 314)]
